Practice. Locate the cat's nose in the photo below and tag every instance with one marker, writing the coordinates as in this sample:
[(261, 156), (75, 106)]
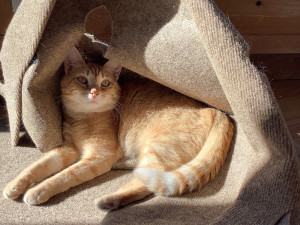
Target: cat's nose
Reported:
[(93, 93)]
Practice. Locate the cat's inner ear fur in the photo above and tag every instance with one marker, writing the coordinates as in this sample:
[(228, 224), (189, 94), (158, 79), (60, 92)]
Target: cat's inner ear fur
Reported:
[(73, 60), (113, 68)]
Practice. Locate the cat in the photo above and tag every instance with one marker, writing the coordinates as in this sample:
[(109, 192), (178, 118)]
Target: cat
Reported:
[(180, 143)]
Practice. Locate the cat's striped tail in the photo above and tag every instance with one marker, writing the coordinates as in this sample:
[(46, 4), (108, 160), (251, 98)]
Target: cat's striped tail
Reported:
[(199, 170)]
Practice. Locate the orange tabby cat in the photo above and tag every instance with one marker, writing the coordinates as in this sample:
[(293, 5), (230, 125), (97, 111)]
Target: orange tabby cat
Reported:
[(180, 143)]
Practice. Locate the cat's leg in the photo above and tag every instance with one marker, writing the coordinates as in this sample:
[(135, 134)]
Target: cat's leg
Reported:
[(136, 189), (52, 162), (130, 192), (89, 167)]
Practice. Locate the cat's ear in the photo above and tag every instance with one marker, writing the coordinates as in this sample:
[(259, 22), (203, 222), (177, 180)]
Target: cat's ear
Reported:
[(113, 68), (73, 60)]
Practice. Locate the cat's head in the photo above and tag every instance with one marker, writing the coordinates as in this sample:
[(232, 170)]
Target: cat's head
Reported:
[(87, 88)]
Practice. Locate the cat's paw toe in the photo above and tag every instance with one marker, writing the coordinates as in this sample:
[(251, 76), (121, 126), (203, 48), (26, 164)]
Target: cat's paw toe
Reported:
[(35, 196), (11, 193), (13, 190), (107, 203)]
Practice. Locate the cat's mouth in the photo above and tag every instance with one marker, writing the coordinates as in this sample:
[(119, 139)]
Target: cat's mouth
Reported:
[(92, 102), (89, 100)]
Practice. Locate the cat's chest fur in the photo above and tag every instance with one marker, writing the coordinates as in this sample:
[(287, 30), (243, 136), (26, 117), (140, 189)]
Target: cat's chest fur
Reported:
[(90, 126)]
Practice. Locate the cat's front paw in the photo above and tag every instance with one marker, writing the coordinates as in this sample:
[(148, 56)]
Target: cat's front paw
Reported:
[(36, 196), (14, 189), (108, 203)]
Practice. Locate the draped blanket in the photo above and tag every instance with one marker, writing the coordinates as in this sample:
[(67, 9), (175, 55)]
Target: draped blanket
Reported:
[(187, 45)]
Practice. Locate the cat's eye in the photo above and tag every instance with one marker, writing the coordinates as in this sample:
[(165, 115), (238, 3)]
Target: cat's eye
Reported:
[(105, 83), (82, 80)]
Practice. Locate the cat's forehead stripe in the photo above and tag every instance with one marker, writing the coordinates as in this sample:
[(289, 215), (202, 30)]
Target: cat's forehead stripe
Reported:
[(95, 70)]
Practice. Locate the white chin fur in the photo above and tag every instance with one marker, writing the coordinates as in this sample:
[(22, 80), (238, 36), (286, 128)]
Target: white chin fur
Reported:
[(87, 105)]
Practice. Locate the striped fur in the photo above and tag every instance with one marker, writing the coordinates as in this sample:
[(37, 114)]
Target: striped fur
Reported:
[(180, 143)]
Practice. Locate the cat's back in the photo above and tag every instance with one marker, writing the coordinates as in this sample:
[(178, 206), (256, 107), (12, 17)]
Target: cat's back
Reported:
[(144, 96)]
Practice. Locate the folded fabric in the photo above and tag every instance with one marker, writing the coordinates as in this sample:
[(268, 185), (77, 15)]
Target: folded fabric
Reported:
[(189, 46)]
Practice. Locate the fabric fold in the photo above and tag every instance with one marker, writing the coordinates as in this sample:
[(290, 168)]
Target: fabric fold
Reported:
[(187, 45)]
